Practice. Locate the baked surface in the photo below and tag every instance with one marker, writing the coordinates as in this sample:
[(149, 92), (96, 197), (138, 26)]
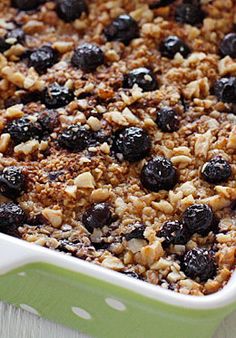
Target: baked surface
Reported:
[(56, 195)]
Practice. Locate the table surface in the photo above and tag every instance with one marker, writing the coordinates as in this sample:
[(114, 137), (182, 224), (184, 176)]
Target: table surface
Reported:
[(21, 324)]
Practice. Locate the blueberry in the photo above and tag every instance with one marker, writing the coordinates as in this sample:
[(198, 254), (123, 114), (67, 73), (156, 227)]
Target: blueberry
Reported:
[(97, 216), (217, 170), (131, 274), (17, 34), (133, 143), (136, 233), (143, 77), (68, 247), (48, 121), (36, 221), (198, 218), (233, 205), (101, 245), (69, 10), (88, 57), (26, 5), (160, 3), (124, 29), (199, 264), (11, 217), (189, 13), (225, 89), (55, 175), (12, 182), (56, 96), (75, 138), (28, 97), (159, 173), (228, 45), (167, 120), (23, 129), (172, 45), (43, 58), (4, 45), (174, 232)]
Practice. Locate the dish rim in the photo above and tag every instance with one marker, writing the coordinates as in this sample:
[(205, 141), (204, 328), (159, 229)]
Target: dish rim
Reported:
[(18, 252)]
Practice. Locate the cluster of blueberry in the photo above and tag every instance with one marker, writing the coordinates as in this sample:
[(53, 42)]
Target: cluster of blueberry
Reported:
[(198, 218)]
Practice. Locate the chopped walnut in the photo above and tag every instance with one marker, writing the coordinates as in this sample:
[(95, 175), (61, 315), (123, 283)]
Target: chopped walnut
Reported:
[(14, 112), (53, 216), (4, 142), (202, 144), (85, 180), (113, 263), (198, 88), (100, 195)]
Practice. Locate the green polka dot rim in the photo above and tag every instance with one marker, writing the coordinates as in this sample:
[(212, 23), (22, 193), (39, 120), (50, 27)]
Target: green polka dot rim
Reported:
[(100, 302)]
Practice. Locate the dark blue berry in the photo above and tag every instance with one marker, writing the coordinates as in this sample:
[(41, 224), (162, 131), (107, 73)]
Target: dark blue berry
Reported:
[(26, 5), (88, 57), (4, 45), (160, 3), (43, 58), (28, 97), (12, 182), (167, 120), (55, 175), (225, 89), (217, 170), (199, 264), (97, 216), (11, 217), (189, 13), (159, 173), (233, 205), (101, 245), (18, 34), (56, 96), (23, 129), (37, 220), (69, 10), (143, 77), (48, 121), (136, 233), (172, 45), (67, 247), (133, 143), (228, 45), (75, 138), (131, 274), (198, 218), (124, 29), (174, 232)]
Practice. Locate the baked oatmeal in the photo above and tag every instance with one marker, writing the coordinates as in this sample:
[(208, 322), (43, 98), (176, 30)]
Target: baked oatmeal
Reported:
[(118, 135)]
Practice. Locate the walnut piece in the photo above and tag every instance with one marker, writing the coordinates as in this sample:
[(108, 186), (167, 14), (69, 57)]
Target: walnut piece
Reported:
[(53, 216), (14, 112), (4, 142), (85, 180)]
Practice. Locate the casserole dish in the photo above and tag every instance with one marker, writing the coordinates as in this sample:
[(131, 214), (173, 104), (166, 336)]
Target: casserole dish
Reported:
[(101, 302), (117, 146)]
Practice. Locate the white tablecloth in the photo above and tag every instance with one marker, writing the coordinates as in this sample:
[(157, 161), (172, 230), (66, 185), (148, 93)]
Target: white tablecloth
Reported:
[(16, 323)]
